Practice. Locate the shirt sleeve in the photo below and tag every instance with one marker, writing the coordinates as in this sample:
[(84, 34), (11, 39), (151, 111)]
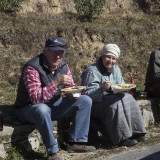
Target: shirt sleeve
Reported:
[(37, 93), (92, 81)]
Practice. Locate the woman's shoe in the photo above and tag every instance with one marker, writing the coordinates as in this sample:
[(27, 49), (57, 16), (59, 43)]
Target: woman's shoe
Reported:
[(128, 143), (142, 139), (139, 137)]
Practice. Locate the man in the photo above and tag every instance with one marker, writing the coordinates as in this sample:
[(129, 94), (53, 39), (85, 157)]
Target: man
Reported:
[(39, 99), (152, 81)]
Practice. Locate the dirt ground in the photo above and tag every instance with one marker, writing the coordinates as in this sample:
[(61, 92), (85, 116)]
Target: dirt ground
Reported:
[(104, 149), (153, 135)]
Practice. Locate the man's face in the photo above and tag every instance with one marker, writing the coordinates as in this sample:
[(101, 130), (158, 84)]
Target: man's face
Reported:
[(53, 57), (108, 61)]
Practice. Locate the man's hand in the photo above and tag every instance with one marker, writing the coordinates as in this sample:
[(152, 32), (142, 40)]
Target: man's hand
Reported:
[(106, 85), (63, 80)]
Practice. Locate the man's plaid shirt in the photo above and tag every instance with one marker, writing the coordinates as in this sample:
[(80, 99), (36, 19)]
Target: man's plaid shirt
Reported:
[(37, 93)]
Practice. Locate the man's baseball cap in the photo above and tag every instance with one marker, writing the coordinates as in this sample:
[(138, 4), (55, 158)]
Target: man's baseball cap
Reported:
[(55, 44)]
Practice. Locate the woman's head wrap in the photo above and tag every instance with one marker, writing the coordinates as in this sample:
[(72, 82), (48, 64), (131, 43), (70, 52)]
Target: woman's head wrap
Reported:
[(111, 49)]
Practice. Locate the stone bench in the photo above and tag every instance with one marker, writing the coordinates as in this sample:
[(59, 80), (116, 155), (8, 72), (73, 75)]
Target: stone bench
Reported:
[(29, 137), (150, 109), (26, 135)]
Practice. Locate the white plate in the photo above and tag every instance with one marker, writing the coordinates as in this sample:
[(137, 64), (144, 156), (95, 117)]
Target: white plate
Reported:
[(76, 95), (76, 89), (123, 87)]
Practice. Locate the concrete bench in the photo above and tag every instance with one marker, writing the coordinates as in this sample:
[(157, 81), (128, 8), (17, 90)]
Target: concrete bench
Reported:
[(30, 139)]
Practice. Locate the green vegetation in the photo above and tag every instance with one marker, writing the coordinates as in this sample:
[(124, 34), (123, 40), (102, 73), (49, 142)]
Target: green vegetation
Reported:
[(10, 5), (89, 8), (13, 153), (17, 153), (155, 3)]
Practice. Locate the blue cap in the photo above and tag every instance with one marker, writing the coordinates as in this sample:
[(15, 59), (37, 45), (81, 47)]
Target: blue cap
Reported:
[(55, 44)]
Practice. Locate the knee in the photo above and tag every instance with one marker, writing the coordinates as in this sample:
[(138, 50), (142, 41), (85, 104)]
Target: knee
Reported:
[(86, 100), (128, 95), (42, 110)]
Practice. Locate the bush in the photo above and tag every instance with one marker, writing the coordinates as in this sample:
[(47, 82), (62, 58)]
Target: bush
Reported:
[(89, 8), (156, 3), (10, 5)]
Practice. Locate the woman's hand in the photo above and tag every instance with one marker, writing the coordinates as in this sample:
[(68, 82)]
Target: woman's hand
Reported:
[(106, 85)]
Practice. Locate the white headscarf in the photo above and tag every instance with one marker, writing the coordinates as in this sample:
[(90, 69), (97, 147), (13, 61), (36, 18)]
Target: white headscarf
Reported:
[(111, 49)]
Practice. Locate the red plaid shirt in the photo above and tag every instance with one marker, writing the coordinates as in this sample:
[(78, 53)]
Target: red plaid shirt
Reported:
[(37, 93)]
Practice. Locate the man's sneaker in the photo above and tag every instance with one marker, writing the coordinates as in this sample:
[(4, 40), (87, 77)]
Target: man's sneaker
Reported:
[(128, 143), (80, 148), (53, 156)]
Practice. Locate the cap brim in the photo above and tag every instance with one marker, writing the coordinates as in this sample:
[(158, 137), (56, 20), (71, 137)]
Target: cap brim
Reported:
[(57, 49)]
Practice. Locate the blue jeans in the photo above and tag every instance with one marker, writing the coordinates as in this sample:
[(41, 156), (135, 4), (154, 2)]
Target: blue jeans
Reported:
[(42, 115)]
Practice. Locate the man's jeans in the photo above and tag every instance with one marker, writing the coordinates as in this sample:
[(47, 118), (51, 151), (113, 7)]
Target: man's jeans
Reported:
[(42, 115)]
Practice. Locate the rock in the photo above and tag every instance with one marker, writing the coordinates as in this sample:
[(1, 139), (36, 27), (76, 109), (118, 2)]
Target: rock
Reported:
[(146, 109), (31, 144), (148, 117), (16, 130), (2, 151)]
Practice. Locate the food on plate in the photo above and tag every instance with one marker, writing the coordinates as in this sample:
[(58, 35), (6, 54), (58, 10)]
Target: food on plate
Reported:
[(70, 88), (73, 89), (123, 86)]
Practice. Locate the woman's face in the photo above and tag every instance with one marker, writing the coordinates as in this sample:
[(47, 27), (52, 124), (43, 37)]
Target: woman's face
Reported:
[(108, 61)]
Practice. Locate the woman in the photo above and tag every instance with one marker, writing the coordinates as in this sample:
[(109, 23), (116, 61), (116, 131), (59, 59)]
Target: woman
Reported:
[(118, 112)]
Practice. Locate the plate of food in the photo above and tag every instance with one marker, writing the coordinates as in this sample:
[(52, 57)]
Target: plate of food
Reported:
[(75, 89), (123, 87)]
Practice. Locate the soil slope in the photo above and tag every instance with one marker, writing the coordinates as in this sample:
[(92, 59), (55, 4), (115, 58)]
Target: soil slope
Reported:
[(22, 36)]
